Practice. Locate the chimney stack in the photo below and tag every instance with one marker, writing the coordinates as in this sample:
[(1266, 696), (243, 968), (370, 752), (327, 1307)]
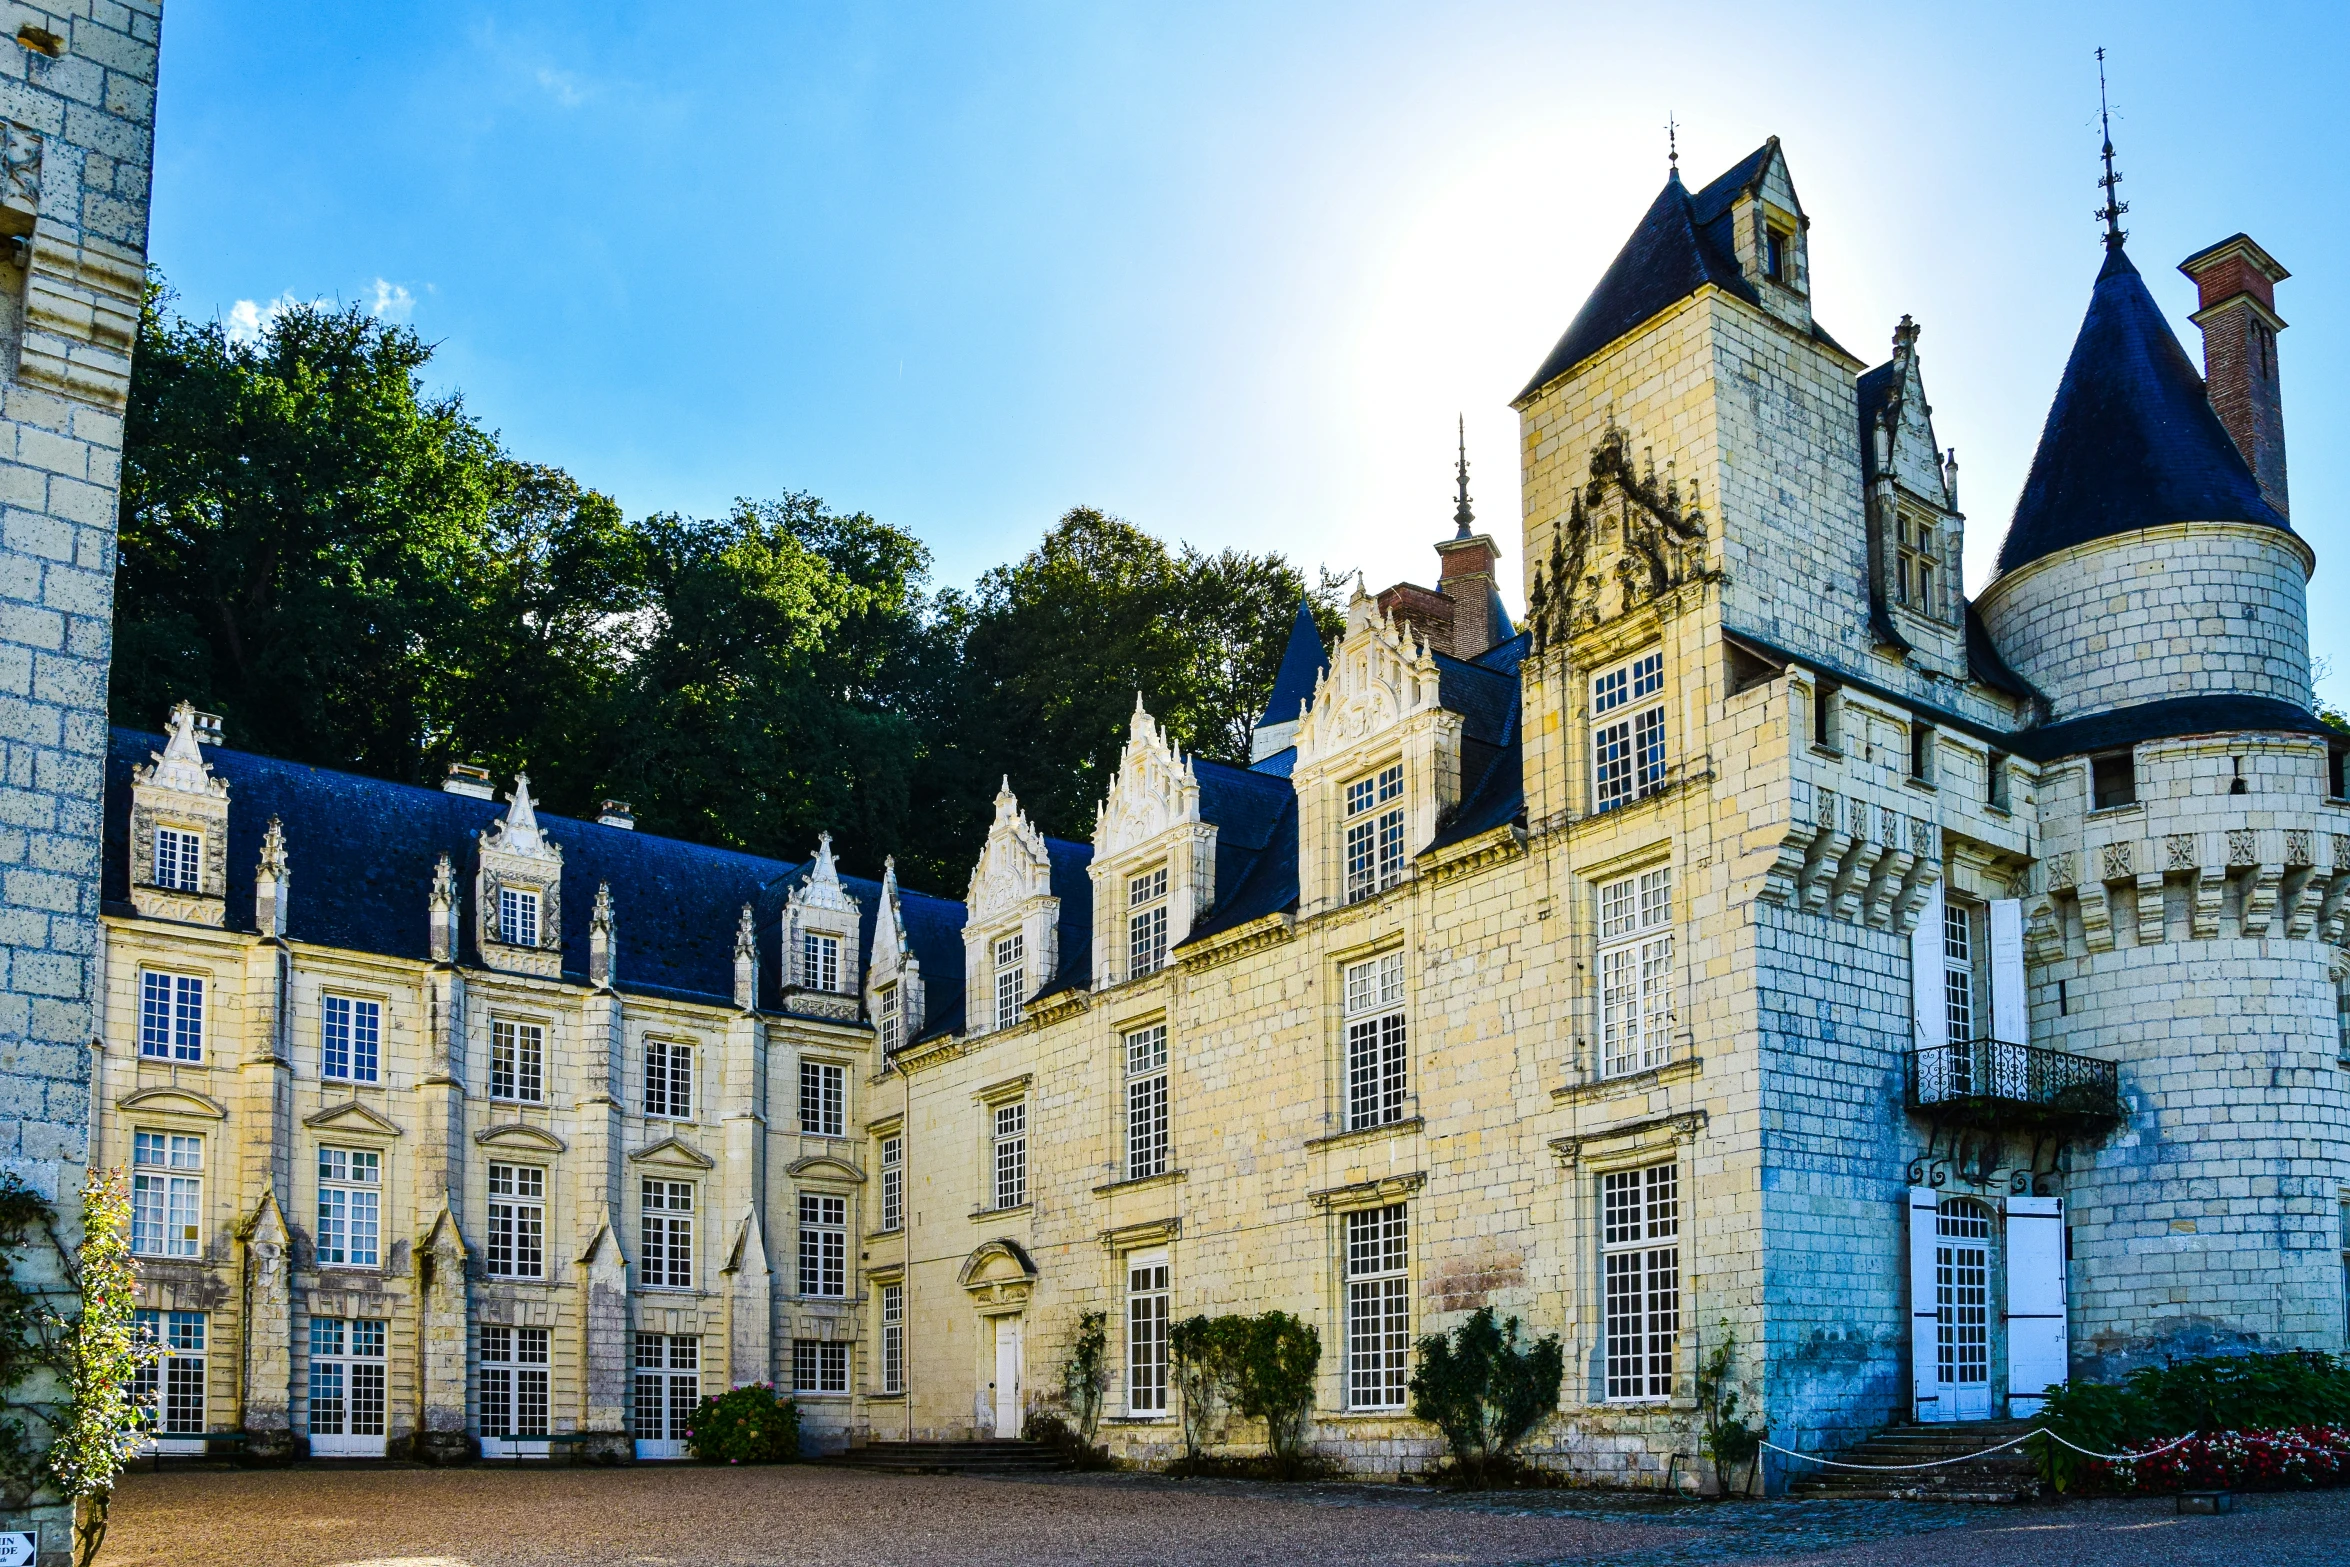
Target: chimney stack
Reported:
[(2236, 284)]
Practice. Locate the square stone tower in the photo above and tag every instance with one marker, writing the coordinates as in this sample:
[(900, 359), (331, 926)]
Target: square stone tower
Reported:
[(77, 123)]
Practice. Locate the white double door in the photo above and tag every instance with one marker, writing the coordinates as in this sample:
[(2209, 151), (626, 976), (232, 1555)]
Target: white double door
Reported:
[(347, 1381), (1005, 1393), (1954, 1315)]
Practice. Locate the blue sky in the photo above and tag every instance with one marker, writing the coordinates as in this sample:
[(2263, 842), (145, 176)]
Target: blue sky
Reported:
[(1228, 271)]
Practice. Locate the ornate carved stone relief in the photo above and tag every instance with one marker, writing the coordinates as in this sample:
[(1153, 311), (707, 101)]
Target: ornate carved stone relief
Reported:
[(1627, 538)]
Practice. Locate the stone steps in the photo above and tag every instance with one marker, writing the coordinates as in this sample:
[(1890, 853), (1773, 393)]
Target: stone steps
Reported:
[(985, 1457), (2005, 1476)]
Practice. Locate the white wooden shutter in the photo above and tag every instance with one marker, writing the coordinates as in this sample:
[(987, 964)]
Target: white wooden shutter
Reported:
[(2038, 1349), (1924, 1388), (1927, 1002), (2010, 1021)]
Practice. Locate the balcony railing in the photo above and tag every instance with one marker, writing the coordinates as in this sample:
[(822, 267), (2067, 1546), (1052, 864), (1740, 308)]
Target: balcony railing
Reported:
[(1992, 1083)]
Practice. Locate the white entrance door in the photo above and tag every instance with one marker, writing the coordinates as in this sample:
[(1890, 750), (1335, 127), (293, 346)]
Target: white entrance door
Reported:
[(1962, 1308), (668, 1386), (1007, 1377), (2038, 1355), (346, 1387)]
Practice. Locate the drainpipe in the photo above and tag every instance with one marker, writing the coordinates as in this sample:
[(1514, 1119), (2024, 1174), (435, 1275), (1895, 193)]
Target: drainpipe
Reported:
[(906, 1240)]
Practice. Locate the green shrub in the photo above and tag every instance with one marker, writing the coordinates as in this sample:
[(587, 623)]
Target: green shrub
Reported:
[(1729, 1441), (2266, 1392), (1273, 1379), (1085, 1375), (1202, 1355), (745, 1425), (1485, 1390)]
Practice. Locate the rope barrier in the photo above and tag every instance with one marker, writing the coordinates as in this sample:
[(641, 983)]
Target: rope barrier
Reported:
[(1940, 1463)]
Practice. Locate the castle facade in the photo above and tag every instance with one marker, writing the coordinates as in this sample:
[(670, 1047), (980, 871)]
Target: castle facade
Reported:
[(1768, 946)]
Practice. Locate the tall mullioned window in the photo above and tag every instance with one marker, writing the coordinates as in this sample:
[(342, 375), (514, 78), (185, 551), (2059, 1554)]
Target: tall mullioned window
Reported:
[(1146, 1333), (668, 1386), (513, 1382), (350, 1199), (1636, 972), (1640, 1238), (824, 1098), (820, 961), (1146, 923), (1377, 1042), (669, 1079), (1011, 1154), (348, 1371), (1917, 561), (167, 1195), (824, 1245), (518, 1221), (893, 1338), (1378, 1307), (518, 1061), (1146, 1102), (1374, 832), (893, 1183), (1958, 971), (665, 1255), (179, 859), (171, 1385), (350, 1033), (887, 1017), (171, 1016), (1628, 731), (518, 917), (1011, 978)]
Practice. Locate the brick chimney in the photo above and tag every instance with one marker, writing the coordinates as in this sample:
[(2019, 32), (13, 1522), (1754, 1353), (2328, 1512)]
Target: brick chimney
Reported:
[(2237, 309), (1459, 615)]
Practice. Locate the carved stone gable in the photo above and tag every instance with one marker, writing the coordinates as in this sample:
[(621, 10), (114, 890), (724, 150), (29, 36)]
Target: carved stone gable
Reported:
[(1628, 537), (517, 856), (1154, 789), (179, 827), (822, 909), (1380, 674), (1013, 865)]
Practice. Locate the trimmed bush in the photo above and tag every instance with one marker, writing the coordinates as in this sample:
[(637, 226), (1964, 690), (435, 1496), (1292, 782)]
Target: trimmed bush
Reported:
[(745, 1425), (1485, 1390)]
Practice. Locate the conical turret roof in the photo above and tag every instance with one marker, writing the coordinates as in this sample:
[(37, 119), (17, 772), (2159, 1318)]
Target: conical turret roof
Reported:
[(2131, 441), (1302, 663)]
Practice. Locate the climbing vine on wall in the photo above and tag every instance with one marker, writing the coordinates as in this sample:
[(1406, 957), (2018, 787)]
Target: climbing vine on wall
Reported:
[(69, 1415)]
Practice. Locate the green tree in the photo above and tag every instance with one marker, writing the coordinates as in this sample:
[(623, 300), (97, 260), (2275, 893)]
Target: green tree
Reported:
[(1485, 1390), (1273, 1379)]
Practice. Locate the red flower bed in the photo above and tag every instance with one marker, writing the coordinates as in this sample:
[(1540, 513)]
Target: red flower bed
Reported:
[(2288, 1460)]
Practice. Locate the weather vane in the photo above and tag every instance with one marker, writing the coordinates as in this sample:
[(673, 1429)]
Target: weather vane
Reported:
[(1673, 143), (2112, 211)]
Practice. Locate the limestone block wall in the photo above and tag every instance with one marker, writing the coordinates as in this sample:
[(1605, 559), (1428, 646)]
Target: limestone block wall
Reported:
[(2188, 609)]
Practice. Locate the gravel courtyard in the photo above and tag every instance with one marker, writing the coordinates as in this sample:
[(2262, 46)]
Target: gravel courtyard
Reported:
[(688, 1516)]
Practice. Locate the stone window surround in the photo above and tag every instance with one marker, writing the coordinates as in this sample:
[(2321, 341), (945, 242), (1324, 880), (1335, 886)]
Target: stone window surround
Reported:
[(1583, 1159), (1335, 965)]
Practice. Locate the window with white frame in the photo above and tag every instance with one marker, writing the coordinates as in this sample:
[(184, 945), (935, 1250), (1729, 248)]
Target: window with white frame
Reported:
[(170, 1386), (1146, 1102), (1146, 923), (179, 859), (893, 1338), (824, 1245), (1958, 971), (819, 961), (668, 1386), (513, 1382), (1011, 975), (518, 916), (518, 1061), (1146, 1333), (350, 1038), (518, 1221), (1636, 972), (167, 1194), (665, 1251), (347, 1376), (1378, 1307), (892, 1025), (823, 1099), (171, 1016), (1011, 1154), (1374, 832), (350, 1204), (1640, 1236), (669, 1079), (1377, 1041), (1628, 731), (819, 1366), (893, 1183)]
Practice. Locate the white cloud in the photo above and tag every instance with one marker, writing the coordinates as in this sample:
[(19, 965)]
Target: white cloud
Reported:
[(564, 87), (247, 320), (393, 301)]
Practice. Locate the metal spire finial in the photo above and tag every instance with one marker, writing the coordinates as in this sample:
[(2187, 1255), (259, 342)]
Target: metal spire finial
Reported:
[(1672, 146), (1461, 514), (2112, 211)]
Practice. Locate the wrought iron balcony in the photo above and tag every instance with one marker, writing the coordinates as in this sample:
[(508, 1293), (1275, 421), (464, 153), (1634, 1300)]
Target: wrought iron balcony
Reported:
[(1994, 1085)]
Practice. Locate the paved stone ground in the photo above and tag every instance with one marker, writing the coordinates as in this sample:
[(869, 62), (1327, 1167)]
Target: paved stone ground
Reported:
[(688, 1516)]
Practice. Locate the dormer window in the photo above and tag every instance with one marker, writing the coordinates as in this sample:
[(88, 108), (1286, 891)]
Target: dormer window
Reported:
[(178, 859), (888, 1019), (518, 917), (1628, 731), (820, 962), (1374, 832), (1146, 923), (1011, 974), (1915, 559), (1778, 256)]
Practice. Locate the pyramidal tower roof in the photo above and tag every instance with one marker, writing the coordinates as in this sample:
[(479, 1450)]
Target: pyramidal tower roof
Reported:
[(2131, 440), (1302, 663)]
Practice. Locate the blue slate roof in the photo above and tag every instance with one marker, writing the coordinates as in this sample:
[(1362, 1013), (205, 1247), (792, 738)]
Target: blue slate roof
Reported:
[(2131, 441), (1875, 387), (2164, 720), (1302, 663), (1485, 697), (1074, 888), (360, 854)]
